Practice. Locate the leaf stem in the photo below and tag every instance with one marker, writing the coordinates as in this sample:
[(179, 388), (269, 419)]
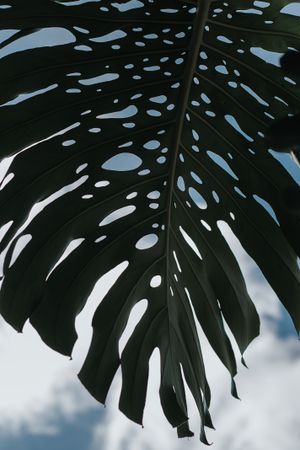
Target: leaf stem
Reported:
[(193, 54)]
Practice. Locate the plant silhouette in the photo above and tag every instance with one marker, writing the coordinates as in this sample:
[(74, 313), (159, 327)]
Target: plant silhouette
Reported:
[(133, 141)]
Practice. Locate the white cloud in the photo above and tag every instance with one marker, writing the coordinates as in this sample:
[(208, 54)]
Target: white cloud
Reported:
[(36, 384)]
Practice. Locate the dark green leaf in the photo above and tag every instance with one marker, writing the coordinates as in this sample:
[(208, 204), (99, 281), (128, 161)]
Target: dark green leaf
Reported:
[(141, 135)]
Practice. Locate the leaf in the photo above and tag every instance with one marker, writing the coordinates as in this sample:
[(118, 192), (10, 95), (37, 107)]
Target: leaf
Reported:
[(132, 141)]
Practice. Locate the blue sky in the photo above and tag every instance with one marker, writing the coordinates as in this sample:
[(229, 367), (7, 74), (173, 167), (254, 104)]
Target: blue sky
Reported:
[(72, 435), (43, 405)]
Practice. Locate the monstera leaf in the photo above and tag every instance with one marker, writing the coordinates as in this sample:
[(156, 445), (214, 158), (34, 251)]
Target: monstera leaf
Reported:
[(133, 130)]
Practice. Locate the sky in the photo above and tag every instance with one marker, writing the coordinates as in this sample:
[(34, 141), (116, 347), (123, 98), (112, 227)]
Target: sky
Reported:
[(44, 406)]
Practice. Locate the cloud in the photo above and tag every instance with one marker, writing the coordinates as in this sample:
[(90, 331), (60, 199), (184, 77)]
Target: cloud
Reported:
[(37, 385)]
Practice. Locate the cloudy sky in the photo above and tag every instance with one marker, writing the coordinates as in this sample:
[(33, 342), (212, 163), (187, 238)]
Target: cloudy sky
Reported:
[(43, 405)]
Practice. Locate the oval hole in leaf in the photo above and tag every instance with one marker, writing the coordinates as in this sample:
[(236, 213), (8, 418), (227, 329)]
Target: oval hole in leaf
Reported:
[(102, 183), (45, 37), (152, 145), (112, 36), (153, 195), (117, 214), (177, 262), (122, 162), (155, 281), (147, 241), (197, 198), (266, 206), (222, 163), (99, 79), (190, 242), (129, 111)]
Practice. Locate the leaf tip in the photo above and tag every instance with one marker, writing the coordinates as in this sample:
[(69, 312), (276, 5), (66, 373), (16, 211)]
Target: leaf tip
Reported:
[(203, 437), (208, 422), (244, 362), (183, 430), (234, 390)]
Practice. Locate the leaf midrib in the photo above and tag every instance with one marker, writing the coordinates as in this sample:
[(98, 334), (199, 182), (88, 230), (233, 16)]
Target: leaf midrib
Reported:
[(193, 54)]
